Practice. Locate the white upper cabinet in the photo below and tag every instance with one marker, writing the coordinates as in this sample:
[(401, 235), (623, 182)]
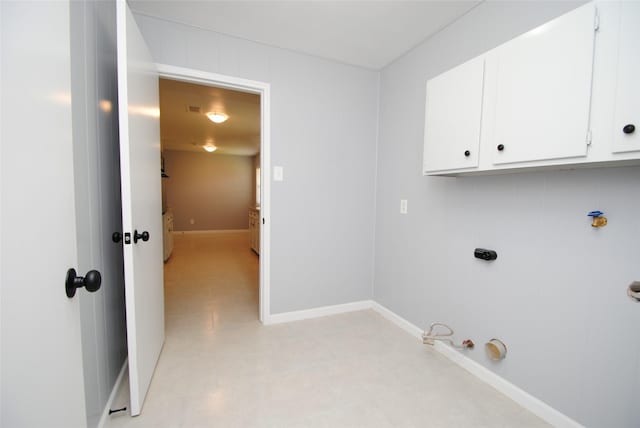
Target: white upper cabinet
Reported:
[(562, 95), (542, 90), (453, 116), (626, 135)]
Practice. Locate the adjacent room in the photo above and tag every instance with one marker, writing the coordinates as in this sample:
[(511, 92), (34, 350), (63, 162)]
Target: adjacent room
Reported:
[(210, 205)]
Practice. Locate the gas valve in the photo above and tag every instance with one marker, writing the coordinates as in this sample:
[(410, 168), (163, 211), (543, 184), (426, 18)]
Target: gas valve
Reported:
[(597, 219)]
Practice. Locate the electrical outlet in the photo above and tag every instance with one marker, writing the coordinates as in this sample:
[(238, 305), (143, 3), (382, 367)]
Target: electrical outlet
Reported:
[(192, 221), (403, 206)]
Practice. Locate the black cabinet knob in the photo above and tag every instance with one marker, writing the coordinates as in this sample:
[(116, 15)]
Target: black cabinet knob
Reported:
[(467, 153), (629, 129), (91, 282), (137, 236), (116, 237), (500, 147)]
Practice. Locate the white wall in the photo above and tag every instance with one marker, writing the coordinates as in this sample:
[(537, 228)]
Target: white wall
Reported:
[(215, 191), (324, 135), (556, 294)]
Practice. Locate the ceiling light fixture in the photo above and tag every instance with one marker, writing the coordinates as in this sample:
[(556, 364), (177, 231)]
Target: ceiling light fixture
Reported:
[(210, 148), (217, 117)]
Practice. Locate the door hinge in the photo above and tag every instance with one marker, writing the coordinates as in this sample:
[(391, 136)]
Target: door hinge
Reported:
[(596, 21), (589, 137), (127, 238)]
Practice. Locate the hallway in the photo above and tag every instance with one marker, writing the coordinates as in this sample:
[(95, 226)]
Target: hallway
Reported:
[(221, 368), (211, 283)]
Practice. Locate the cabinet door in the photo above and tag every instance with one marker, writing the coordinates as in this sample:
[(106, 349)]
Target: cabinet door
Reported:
[(452, 118), (627, 107), (543, 90)]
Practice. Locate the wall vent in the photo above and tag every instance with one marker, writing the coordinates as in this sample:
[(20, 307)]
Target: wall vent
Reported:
[(193, 109)]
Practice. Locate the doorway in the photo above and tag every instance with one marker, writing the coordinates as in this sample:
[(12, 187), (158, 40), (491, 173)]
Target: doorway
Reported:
[(258, 220)]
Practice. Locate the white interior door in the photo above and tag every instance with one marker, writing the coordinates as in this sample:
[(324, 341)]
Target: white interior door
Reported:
[(139, 116), (40, 342)]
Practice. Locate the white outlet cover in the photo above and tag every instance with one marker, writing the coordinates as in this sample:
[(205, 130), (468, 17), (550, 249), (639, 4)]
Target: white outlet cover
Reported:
[(278, 173), (403, 206)]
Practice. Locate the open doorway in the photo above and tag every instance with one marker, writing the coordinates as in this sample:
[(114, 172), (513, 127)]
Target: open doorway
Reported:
[(214, 197)]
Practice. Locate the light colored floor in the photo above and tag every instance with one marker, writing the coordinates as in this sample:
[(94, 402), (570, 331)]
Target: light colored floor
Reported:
[(221, 368)]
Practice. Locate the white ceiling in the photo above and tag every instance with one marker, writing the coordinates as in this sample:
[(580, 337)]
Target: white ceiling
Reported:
[(181, 129), (369, 34)]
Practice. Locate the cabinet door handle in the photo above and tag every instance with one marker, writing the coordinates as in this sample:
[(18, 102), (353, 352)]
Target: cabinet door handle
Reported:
[(467, 153), (500, 147), (629, 129)]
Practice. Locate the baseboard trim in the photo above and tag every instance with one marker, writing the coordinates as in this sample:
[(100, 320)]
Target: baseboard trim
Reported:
[(189, 232), (112, 396), (397, 320), (526, 400), (322, 311)]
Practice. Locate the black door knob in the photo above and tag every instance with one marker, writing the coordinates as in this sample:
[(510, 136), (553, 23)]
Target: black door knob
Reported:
[(136, 236), (116, 237), (500, 147), (467, 153), (91, 281), (629, 129)]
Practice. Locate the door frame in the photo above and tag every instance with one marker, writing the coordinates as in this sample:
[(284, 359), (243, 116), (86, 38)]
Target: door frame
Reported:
[(264, 90)]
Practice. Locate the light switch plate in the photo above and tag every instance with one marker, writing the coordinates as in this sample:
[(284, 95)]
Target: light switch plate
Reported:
[(278, 173), (403, 206)]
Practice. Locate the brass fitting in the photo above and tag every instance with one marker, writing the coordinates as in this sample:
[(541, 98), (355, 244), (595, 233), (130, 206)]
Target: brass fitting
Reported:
[(597, 219), (599, 222)]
